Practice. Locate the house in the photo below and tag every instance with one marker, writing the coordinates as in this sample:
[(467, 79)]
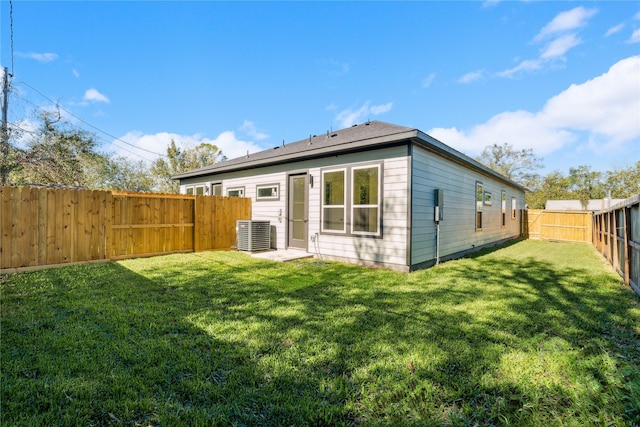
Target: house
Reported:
[(374, 194)]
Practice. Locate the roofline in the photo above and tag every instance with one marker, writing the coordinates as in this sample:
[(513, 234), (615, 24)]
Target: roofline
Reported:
[(398, 138), (312, 153), (444, 150)]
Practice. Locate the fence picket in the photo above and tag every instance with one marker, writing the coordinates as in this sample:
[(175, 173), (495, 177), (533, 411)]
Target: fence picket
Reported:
[(43, 226), (618, 240), (567, 226)]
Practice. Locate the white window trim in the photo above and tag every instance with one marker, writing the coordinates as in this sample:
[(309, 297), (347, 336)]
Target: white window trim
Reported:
[(354, 206), (514, 208), (213, 186), (190, 187), (503, 208), (265, 198), (479, 203), (195, 190), (343, 206), (488, 198), (239, 189)]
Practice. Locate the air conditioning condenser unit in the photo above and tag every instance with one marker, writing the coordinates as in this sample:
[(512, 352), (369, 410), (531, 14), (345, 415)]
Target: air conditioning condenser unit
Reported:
[(253, 235)]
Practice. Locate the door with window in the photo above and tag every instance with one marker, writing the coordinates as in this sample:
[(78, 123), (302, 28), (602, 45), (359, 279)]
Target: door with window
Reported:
[(298, 226)]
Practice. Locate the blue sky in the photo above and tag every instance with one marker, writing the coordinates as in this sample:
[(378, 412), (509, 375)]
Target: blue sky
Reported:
[(562, 78)]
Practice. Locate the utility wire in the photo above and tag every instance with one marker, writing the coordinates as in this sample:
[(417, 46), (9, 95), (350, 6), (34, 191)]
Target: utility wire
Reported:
[(113, 142), (89, 124), (11, 30), (15, 126)]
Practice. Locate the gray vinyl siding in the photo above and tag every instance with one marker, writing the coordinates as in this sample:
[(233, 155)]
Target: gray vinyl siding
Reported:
[(393, 249), (390, 249), (457, 229)]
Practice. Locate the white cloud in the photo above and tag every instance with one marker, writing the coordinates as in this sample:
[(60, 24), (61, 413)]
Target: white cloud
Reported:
[(40, 57), (227, 142), (605, 109), (22, 132), (558, 47), (349, 117), (518, 128), (426, 82), (614, 30), (249, 128), (471, 77), (566, 21), (490, 3), (75, 73), (93, 95), (381, 109), (635, 37), (559, 38), (527, 65), (607, 105)]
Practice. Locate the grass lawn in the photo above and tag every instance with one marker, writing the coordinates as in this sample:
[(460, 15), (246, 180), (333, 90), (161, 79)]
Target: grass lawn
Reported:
[(534, 333)]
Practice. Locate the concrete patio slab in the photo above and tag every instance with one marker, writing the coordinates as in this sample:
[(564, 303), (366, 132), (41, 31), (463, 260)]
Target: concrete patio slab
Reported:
[(282, 255)]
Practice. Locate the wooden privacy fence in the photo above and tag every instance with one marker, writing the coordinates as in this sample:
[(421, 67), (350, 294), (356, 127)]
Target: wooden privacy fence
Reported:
[(566, 226), (42, 226), (616, 235)]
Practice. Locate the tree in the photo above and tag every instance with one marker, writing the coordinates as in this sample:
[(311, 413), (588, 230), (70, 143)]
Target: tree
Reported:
[(11, 162), (182, 160), (586, 184), (56, 154), (120, 173), (554, 186), (625, 182), (517, 165)]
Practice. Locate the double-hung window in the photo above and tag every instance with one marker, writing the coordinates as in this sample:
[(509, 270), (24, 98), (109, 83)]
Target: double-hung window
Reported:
[(514, 208), (504, 208), (479, 202), (333, 201), (216, 189), (365, 204), (351, 200)]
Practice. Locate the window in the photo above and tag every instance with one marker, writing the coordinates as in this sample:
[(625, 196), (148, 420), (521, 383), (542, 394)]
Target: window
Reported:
[(514, 207), (268, 192), (189, 190), (216, 189), (235, 192), (333, 200), (365, 205), (487, 198), (479, 201), (200, 190), (503, 198), (351, 199)]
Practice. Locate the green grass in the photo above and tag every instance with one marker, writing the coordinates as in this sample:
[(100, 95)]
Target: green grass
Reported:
[(534, 333)]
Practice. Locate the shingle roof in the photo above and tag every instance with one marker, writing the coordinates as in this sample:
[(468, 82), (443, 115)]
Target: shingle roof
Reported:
[(370, 133), (355, 138)]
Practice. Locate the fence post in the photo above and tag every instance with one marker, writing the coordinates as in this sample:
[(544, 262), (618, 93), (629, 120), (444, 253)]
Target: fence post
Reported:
[(616, 255), (626, 211)]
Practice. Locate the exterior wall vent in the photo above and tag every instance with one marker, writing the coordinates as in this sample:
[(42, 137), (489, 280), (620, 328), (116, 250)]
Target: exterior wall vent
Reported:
[(253, 235)]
